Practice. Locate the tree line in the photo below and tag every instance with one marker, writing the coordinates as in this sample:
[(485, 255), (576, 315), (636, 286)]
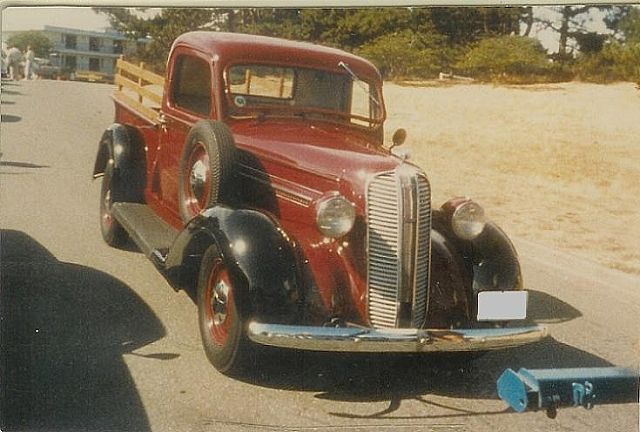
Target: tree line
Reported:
[(486, 43)]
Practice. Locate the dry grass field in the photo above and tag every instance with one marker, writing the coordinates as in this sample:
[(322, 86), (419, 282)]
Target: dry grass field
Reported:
[(556, 164)]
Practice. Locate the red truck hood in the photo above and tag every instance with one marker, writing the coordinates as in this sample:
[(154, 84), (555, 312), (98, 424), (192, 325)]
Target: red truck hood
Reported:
[(322, 150)]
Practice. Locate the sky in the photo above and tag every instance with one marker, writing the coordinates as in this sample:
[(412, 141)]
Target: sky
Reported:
[(35, 18), (84, 18)]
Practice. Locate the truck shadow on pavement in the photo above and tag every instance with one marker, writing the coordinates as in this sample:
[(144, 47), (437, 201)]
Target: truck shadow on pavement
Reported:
[(418, 378), (393, 378), (65, 328), (544, 308)]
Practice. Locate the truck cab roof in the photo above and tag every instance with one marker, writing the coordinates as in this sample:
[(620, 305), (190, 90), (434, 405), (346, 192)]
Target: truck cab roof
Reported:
[(232, 48)]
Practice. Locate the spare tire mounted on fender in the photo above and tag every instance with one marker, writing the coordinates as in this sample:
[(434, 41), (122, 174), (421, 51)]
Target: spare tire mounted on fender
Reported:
[(206, 167)]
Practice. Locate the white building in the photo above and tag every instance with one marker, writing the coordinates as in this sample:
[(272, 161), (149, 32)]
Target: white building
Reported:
[(82, 50)]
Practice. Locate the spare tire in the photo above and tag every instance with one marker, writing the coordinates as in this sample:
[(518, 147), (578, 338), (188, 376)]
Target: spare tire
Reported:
[(206, 167)]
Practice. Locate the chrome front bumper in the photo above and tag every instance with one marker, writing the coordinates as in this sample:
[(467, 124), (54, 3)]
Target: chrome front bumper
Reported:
[(352, 339)]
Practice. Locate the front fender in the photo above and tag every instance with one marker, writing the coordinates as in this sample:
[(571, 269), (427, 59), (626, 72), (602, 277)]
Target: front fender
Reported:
[(262, 258), (450, 284), (495, 261), (490, 260), (460, 269)]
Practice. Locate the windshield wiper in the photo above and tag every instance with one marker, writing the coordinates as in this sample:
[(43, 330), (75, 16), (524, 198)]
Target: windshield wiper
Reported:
[(358, 81)]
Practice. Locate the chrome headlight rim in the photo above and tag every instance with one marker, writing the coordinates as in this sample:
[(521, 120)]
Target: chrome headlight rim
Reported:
[(335, 215), (468, 220)]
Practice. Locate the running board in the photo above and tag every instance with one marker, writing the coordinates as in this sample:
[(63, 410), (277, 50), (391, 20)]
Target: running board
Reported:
[(151, 234)]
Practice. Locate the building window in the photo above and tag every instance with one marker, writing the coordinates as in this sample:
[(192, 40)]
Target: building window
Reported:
[(70, 62), (94, 44), (117, 47), (94, 64), (70, 41)]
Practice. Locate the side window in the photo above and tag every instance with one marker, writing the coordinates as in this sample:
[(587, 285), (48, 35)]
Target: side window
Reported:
[(191, 89), (94, 64)]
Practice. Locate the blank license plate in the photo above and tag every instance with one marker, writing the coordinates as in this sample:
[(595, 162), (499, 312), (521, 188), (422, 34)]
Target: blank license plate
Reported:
[(502, 305)]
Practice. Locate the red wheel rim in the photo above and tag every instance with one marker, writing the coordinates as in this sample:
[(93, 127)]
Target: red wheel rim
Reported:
[(218, 303), (197, 184)]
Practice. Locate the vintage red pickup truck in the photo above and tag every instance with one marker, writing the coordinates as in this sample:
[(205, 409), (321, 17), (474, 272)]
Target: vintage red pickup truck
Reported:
[(256, 174)]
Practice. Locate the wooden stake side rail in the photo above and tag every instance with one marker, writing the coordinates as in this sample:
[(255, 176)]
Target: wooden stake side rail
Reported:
[(133, 83)]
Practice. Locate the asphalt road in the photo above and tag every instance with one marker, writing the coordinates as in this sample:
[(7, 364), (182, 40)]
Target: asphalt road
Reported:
[(94, 339)]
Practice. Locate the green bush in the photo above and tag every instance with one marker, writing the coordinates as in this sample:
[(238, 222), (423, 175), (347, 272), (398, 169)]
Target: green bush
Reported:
[(507, 58), (408, 54), (616, 62)]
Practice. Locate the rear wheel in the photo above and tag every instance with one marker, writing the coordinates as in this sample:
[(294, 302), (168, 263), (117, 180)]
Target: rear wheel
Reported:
[(221, 326), (123, 182), (112, 232)]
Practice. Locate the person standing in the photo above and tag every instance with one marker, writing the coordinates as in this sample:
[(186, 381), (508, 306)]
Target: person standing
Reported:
[(5, 71), (29, 56), (14, 55)]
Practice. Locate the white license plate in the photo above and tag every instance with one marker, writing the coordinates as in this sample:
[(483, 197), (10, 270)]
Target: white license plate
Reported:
[(502, 305)]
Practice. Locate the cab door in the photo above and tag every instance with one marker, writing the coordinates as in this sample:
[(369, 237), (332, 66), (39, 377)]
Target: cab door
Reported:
[(188, 100)]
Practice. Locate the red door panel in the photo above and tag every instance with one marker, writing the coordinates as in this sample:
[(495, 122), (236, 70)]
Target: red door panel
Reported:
[(188, 99)]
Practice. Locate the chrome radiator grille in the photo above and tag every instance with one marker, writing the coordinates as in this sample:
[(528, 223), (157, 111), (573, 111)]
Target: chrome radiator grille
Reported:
[(423, 253), (384, 254), (398, 234)]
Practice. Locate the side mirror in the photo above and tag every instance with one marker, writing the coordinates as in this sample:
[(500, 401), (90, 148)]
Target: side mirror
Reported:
[(399, 136)]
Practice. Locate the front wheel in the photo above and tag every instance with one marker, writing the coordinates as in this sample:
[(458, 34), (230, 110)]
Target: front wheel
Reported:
[(221, 327)]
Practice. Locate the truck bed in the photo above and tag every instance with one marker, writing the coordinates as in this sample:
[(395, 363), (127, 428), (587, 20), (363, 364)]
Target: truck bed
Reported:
[(138, 89)]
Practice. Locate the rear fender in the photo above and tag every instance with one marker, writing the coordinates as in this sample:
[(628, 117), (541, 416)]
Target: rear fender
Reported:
[(261, 257), (123, 147)]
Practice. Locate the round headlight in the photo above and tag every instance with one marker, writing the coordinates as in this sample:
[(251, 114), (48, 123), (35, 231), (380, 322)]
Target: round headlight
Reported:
[(335, 216), (468, 220)]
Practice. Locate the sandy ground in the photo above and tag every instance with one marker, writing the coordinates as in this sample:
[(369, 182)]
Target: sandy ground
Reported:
[(558, 164)]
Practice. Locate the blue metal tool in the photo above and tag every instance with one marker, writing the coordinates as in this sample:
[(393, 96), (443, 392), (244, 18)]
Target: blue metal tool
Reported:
[(550, 389)]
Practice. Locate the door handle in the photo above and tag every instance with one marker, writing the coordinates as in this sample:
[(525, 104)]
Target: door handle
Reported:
[(162, 121)]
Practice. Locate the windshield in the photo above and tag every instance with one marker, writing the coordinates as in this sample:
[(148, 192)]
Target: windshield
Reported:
[(283, 90)]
